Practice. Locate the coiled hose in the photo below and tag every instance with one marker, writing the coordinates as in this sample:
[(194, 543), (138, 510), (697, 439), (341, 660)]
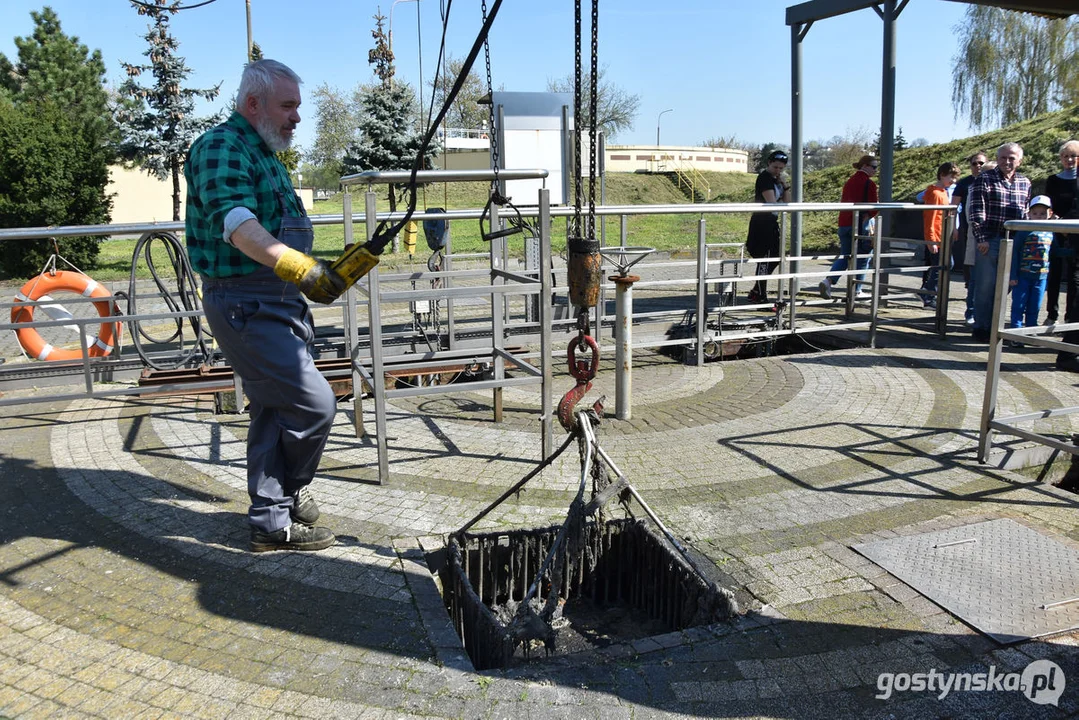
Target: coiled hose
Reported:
[(185, 299)]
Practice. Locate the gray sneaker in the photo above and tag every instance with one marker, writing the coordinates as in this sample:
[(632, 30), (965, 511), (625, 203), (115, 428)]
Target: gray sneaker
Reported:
[(825, 289), (304, 509), (293, 537)]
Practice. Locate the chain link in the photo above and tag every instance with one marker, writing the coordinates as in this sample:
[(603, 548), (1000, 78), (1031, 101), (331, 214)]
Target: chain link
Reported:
[(492, 136), (577, 118), (592, 122)]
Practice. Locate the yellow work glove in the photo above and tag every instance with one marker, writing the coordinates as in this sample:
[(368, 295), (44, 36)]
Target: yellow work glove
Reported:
[(315, 278)]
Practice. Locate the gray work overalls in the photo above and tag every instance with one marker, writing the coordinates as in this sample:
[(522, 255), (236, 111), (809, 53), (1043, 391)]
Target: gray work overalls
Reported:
[(265, 329)]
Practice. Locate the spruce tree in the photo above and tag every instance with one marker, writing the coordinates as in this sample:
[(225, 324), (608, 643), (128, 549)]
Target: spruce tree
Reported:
[(160, 124), (386, 135)]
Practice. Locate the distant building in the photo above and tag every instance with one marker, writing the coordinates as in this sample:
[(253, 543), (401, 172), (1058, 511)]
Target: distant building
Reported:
[(470, 150), (141, 198), (667, 158)]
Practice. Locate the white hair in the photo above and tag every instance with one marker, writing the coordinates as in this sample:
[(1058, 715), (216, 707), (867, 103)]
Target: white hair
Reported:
[(1010, 146), (1071, 145), (259, 77)]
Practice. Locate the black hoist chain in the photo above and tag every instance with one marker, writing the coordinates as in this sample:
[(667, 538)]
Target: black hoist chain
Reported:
[(495, 198), (593, 119), (491, 135), (583, 258), (582, 248), (577, 79)]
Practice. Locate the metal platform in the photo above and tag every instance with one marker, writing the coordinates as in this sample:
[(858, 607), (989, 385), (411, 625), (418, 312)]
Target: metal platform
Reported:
[(1000, 577)]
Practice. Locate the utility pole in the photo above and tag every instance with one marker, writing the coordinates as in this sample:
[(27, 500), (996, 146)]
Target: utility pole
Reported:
[(250, 41)]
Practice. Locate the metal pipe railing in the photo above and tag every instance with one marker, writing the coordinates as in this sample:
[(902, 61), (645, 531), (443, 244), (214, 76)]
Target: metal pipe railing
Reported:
[(990, 424), (699, 278)]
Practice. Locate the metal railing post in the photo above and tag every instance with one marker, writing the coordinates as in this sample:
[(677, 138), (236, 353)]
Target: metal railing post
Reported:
[(852, 262), (497, 312), (944, 273), (546, 315), (783, 262), (874, 299), (351, 320), (702, 289), (623, 354), (996, 348), (378, 376)]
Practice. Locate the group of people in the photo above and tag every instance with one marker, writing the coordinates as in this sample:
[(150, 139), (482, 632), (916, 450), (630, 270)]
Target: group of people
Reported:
[(992, 194)]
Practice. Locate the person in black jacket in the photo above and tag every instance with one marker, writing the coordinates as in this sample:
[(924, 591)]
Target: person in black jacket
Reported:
[(959, 246), (1061, 189), (763, 239)]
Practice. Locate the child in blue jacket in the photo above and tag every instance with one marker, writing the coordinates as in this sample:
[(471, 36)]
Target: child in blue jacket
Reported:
[(1030, 266)]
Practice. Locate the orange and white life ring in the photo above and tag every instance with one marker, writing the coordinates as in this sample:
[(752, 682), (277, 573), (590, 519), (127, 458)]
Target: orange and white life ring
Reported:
[(41, 289)]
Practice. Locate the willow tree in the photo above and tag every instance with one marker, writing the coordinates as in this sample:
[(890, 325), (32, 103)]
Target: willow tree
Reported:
[(1013, 66)]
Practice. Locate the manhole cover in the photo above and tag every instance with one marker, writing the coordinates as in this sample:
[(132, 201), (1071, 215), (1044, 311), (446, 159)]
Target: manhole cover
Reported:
[(1003, 578)]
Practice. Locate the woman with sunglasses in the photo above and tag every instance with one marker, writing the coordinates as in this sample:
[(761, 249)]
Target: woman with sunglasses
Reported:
[(763, 239), (859, 188)]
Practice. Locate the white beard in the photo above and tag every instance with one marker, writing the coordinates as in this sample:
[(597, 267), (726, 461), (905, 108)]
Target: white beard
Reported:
[(272, 135)]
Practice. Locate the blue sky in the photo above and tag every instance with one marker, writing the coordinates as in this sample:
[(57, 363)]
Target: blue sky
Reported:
[(722, 66)]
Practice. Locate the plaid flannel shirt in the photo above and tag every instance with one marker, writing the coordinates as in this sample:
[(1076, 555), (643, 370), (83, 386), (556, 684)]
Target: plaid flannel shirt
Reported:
[(230, 166), (993, 201)]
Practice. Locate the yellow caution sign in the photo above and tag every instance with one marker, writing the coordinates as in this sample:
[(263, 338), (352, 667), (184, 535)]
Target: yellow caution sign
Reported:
[(412, 231)]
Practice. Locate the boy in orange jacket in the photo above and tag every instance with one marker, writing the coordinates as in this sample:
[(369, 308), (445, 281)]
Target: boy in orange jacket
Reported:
[(935, 194)]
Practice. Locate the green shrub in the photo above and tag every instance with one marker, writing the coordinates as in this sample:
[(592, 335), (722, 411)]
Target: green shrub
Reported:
[(51, 173)]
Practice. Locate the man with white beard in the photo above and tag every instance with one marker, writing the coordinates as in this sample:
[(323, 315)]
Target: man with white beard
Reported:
[(250, 240)]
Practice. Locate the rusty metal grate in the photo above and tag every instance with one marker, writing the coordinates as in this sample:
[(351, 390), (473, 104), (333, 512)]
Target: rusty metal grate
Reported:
[(621, 563)]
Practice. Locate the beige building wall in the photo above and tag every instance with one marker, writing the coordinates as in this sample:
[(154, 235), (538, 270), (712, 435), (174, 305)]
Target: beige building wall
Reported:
[(469, 159), (625, 158), (652, 158), (142, 198)]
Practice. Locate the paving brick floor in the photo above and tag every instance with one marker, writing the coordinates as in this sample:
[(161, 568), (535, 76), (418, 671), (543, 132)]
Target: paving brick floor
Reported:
[(126, 589)]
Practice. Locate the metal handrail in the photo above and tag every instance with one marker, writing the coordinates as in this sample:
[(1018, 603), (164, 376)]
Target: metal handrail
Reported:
[(990, 424), (370, 177), (137, 229), (702, 280)]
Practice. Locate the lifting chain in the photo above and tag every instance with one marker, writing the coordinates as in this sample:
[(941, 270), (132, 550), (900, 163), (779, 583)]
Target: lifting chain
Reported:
[(491, 136), (495, 197), (582, 248)]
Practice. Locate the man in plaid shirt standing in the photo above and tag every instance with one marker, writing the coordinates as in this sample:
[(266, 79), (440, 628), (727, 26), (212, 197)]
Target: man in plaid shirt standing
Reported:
[(249, 239), (996, 196)]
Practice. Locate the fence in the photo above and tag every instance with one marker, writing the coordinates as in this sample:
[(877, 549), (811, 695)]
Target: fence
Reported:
[(1038, 336), (714, 263)]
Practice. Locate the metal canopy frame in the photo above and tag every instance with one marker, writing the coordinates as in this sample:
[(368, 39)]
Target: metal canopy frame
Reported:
[(801, 17)]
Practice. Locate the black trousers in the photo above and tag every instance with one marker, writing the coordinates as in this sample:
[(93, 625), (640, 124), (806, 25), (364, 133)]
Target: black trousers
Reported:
[(763, 242), (1052, 287)]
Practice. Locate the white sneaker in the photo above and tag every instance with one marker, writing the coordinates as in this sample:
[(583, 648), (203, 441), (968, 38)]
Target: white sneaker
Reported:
[(862, 295), (825, 288)]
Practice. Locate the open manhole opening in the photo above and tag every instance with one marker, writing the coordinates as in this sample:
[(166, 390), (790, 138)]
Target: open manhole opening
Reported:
[(627, 584)]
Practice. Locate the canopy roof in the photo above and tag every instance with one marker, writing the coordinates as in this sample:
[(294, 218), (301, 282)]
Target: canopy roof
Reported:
[(821, 9)]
